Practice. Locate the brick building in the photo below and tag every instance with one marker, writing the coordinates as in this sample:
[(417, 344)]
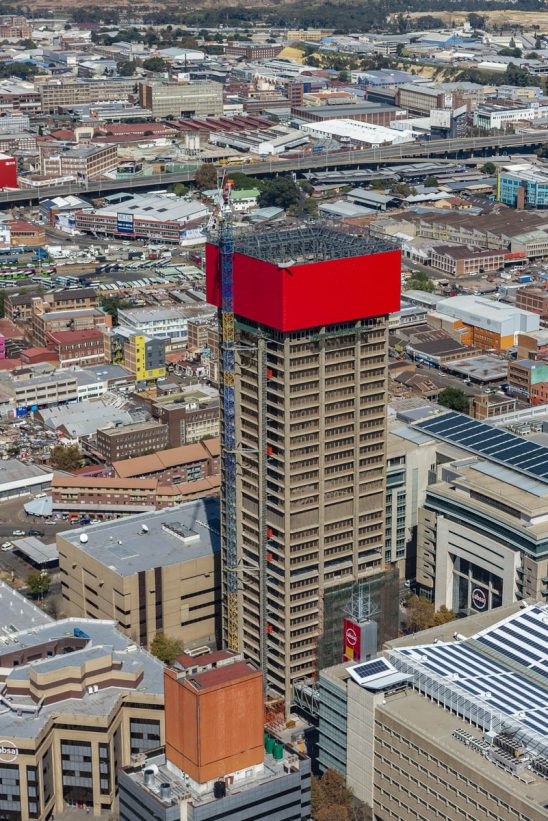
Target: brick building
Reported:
[(128, 441), (533, 299), (459, 261), (46, 324), (528, 378), (104, 498), (190, 422), (77, 347), (84, 162), (188, 463), (254, 51)]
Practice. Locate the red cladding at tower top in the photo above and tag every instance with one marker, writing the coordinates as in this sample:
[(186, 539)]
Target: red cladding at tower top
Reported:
[(307, 295)]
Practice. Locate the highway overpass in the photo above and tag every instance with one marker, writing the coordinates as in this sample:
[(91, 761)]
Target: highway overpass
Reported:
[(457, 149)]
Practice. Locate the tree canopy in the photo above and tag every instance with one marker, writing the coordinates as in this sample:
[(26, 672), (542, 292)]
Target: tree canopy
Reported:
[(155, 64), (420, 614), (206, 177), (126, 68), (38, 583), (332, 800), (420, 282), (281, 192), (454, 398), (66, 457), (166, 649)]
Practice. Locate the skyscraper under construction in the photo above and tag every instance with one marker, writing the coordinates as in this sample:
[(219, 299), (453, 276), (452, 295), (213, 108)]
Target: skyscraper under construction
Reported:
[(304, 322)]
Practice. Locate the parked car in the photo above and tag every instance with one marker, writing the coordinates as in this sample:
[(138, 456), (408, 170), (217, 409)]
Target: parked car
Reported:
[(7, 546), (18, 533), (34, 532)]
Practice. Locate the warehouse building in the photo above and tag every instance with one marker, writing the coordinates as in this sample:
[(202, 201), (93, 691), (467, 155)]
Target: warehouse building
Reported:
[(488, 324), (153, 572), (20, 479), (459, 261), (365, 112), (354, 131), (142, 216)]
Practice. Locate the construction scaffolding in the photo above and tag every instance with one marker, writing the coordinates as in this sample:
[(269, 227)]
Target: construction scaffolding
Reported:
[(311, 242), (382, 593), (226, 247)]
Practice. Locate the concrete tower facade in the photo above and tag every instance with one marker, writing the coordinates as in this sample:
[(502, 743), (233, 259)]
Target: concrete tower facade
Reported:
[(311, 309)]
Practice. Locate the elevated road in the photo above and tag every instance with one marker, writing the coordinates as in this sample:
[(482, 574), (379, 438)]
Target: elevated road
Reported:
[(439, 149)]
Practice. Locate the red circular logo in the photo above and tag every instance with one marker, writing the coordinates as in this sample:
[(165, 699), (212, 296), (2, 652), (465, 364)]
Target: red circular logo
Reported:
[(351, 637), (479, 598)]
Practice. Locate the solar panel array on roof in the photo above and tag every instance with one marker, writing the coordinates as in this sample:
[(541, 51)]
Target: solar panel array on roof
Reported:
[(495, 444), (505, 667)]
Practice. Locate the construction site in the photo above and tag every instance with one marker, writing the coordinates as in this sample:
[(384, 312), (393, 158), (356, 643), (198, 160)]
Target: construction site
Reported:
[(303, 317)]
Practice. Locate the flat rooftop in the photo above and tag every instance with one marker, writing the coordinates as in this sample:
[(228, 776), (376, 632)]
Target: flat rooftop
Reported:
[(18, 613), (308, 243), (11, 470), (438, 725), (502, 669), (184, 533), (97, 634)]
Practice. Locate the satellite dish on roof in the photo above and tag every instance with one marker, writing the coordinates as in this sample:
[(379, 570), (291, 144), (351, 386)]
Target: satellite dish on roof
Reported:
[(83, 538)]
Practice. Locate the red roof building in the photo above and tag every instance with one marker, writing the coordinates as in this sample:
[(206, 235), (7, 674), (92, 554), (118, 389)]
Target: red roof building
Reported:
[(77, 347)]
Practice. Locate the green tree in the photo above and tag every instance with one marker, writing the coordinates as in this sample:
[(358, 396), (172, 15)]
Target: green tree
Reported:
[(66, 457), (155, 64), (454, 398), (112, 304), (179, 189), (281, 192), (206, 177), (242, 182), (420, 282), (165, 648), (378, 185), (126, 68), (489, 168), (344, 76), (28, 43), (38, 583), (431, 181)]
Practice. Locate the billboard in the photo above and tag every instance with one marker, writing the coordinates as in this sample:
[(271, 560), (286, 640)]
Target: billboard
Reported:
[(295, 296), (125, 224), (351, 641)]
